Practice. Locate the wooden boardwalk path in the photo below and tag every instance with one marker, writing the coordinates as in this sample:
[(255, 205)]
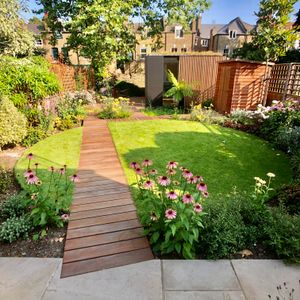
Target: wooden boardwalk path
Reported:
[(104, 230)]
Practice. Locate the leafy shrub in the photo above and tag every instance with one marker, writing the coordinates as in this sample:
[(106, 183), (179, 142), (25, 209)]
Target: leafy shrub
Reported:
[(27, 76), (14, 206), (247, 117), (208, 103), (161, 111), (283, 233), (295, 163), (170, 207), (12, 123), (115, 108), (129, 89), (14, 228), (205, 115), (288, 140), (6, 180), (82, 97), (289, 197)]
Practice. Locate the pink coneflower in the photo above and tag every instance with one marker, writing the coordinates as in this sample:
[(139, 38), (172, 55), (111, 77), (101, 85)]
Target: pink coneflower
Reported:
[(52, 169), (171, 172), (164, 180), (148, 184), (30, 156), (187, 174), (153, 217), (172, 165), (27, 173), (205, 194), (192, 180), (147, 163), (182, 169), (138, 171), (198, 178), (32, 179), (172, 195), (74, 178), (153, 172), (65, 217), (170, 214), (197, 207), (61, 171), (134, 165), (202, 187), (176, 182), (187, 198)]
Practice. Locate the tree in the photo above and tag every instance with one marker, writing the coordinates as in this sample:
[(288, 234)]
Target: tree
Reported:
[(297, 22), (102, 30), (15, 39)]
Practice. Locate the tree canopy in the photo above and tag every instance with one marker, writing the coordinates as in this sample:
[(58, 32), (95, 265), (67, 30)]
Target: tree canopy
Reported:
[(15, 39), (103, 30)]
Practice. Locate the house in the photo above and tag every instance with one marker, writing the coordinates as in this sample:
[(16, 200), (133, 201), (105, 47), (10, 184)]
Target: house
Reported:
[(224, 38), (57, 52)]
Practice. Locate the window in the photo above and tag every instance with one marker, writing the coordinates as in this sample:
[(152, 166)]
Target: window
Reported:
[(58, 35), (232, 34), (183, 49), (196, 40), (143, 52), (54, 53), (204, 43), (39, 42), (226, 51), (65, 52), (174, 49), (178, 32)]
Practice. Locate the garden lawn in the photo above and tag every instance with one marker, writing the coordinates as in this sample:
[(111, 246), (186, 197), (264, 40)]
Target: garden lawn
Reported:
[(57, 150), (226, 158)]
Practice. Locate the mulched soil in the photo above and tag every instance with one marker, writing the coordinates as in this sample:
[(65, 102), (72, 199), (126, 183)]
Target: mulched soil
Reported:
[(50, 246)]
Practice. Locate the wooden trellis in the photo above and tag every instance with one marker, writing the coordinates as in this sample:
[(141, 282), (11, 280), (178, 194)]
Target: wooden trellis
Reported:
[(285, 80)]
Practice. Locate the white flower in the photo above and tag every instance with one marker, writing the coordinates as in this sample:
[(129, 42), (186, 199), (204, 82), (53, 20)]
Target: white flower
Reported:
[(271, 175), (275, 102)]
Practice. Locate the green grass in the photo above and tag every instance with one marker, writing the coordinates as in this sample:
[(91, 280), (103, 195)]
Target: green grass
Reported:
[(56, 150), (160, 111), (224, 157)]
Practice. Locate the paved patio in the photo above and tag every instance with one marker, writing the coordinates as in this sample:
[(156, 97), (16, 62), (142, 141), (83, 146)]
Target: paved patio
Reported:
[(39, 279)]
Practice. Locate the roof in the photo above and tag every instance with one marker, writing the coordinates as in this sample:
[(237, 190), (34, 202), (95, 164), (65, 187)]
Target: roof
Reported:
[(238, 25), (35, 28), (206, 28)]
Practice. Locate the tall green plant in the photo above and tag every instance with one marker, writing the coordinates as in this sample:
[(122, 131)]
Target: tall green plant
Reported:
[(179, 89)]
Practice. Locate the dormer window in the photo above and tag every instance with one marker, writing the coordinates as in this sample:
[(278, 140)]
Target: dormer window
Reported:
[(204, 43), (178, 32), (232, 34)]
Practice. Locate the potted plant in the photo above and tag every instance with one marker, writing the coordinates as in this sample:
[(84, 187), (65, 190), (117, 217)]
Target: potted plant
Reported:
[(178, 91)]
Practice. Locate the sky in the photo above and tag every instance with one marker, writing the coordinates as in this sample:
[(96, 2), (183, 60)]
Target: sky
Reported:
[(221, 11)]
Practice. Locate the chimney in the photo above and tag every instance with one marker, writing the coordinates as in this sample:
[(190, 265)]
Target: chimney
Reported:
[(198, 23), (194, 25)]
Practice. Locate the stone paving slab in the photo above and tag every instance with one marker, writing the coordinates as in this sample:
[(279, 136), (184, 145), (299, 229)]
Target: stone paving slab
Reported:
[(25, 278), (199, 275), (259, 278), (141, 281), (210, 295)]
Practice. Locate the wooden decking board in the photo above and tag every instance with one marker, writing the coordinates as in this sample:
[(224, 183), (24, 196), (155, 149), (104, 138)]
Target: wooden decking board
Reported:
[(98, 229), (102, 212), (104, 230), (101, 239), (106, 262)]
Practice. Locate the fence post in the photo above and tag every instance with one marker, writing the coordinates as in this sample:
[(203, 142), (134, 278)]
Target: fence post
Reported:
[(287, 82)]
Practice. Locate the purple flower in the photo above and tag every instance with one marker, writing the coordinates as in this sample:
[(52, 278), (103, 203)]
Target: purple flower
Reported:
[(134, 165), (148, 184), (164, 180), (32, 179), (30, 156), (153, 172), (138, 171), (187, 174), (205, 194), (172, 165), (28, 172), (170, 214), (62, 171), (65, 217), (172, 195), (187, 198), (202, 187), (147, 163), (171, 172), (74, 178), (197, 207)]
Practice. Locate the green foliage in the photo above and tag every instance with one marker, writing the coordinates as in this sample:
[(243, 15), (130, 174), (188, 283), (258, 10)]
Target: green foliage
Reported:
[(14, 228), (6, 180), (272, 34), (289, 197), (27, 77), (170, 209), (249, 51), (12, 123), (292, 55), (179, 89), (161, 111), (14, 206), (288, 139), (129, 89), (283, 232), (15, 39), (115, 108)]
